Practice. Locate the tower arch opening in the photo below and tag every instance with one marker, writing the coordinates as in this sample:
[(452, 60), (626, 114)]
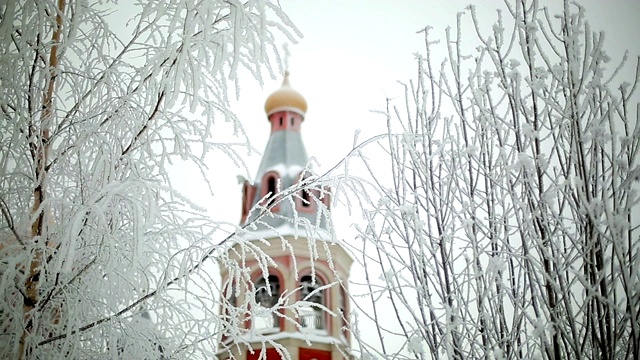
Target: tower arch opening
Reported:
[(307, 197), (248, 194), (270, 189), (343, 312), (312, 315), (267, 293)]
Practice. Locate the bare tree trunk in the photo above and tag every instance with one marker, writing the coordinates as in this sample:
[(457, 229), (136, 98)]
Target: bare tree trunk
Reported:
[(39, 135)]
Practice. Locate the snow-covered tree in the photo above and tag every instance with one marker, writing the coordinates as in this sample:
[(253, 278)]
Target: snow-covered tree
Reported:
[(510, 229), (97, 101)]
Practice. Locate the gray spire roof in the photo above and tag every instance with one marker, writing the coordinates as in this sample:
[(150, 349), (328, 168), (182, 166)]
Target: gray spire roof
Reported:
[(285, 155)]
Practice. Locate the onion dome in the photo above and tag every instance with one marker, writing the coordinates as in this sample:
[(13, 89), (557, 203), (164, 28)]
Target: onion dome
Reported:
[(285, 99)]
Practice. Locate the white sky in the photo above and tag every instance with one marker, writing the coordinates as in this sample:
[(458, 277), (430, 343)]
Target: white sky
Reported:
[(350, 59)]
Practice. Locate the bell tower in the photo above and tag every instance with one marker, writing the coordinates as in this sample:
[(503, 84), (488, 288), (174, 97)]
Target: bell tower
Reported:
[(296, 302)]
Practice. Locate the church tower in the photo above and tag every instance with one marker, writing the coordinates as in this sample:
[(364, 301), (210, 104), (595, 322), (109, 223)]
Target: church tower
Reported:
[(298, 302)]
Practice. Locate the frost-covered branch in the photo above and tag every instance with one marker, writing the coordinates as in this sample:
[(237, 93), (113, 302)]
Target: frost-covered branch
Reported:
[(508, 226), (97, 106)]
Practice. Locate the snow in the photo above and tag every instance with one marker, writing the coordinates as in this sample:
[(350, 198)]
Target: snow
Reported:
[(285, 230), (312, 337), (292, 171), (415, 344)]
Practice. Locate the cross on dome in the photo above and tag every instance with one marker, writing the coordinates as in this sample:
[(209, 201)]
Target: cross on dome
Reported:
[(287, 55)]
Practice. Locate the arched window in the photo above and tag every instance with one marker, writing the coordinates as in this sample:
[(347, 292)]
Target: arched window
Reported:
[(245, 201), (268, 291), (267, 295), (248, 193), (306, 198), (326, 197), (343, 313), (270, 188), (311, 316)]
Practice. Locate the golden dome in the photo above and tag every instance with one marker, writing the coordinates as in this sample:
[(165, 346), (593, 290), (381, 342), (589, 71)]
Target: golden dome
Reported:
[(285, 99)]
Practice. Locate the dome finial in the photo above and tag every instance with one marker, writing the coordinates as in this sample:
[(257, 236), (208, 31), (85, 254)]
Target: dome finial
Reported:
[(287, 55), (285, 81), (285, 99)]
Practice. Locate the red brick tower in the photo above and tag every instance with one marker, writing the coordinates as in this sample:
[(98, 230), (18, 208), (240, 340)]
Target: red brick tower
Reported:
[(299, 302)]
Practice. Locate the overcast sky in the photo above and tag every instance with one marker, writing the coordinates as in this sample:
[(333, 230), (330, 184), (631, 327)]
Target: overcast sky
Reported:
[(348, 62)]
